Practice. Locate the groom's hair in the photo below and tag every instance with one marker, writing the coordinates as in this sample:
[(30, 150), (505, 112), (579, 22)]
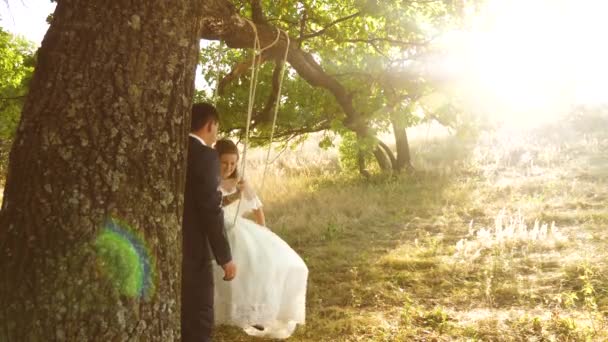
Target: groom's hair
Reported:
[(202, 114)]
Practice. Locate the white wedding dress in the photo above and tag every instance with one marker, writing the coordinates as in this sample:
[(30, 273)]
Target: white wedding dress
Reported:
[(269, 289)]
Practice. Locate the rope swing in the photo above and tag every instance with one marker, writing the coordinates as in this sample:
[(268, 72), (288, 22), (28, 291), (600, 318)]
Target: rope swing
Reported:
[(276, 111), (220, 52), (255, 69)]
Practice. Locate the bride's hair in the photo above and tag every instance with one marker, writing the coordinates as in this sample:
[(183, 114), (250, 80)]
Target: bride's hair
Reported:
[(225, 146)]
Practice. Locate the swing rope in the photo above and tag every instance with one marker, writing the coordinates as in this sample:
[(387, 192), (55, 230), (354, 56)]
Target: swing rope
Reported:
[(220, 52), (255, 69), (276, 111)]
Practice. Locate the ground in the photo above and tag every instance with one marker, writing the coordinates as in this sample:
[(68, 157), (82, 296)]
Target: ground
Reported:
[(452, 252)]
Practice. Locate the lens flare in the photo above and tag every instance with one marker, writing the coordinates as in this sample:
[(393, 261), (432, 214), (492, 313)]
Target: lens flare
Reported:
[(125, 259), (528, 63)]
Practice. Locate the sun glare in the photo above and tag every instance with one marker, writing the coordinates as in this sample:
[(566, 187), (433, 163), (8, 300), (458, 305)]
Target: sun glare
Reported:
[(528, 61)]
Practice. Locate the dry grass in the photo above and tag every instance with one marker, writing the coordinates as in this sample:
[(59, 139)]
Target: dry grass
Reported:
[(398, 259), (387, 259)]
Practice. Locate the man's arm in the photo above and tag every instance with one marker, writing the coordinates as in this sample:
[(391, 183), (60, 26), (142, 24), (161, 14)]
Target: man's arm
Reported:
[(208, 203)]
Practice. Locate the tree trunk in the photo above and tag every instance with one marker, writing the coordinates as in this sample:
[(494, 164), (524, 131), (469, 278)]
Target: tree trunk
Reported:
[(389, 154), (361, 163), (90, 229), (403, 147), (382, 158)]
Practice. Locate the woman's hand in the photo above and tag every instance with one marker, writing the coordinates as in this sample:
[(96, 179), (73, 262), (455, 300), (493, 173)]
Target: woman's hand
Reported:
[(229, 185), (259, 217), (244, 187), (242, 184)]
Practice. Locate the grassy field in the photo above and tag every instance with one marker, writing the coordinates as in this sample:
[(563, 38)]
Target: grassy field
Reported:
[(452, 253)]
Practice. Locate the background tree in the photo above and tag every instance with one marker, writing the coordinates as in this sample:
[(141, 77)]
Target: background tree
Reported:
[(367, 56), (16, 67), (385, 43)]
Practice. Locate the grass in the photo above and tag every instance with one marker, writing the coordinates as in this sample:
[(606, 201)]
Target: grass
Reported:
[(451, 253), (386, 256)]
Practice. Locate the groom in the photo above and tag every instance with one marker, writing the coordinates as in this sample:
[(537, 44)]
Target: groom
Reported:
[(203, 230)]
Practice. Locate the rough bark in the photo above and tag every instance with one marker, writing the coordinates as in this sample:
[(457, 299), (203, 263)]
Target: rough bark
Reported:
[(102, 137)]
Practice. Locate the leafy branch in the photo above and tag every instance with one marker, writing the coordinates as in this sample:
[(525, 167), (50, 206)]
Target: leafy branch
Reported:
[(333, 23)]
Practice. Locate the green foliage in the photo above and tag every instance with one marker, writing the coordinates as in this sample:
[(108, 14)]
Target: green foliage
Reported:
[(436, 319), (376, 52), (349, 151), (16, 67), (302, 109)]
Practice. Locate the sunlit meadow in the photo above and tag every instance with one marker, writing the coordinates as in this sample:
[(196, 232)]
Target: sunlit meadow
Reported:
[(498, 238)]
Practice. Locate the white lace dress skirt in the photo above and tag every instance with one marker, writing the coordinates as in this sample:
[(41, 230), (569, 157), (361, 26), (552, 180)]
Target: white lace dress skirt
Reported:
[(270, 285)]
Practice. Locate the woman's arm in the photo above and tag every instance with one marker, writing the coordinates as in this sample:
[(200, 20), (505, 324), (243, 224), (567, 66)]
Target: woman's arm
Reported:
[(258, 215)]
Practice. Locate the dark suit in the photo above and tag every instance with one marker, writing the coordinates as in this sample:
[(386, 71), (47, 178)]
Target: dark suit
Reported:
[(202, 233)]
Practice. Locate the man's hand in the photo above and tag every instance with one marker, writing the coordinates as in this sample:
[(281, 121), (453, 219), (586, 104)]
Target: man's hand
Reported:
[(229, 271)]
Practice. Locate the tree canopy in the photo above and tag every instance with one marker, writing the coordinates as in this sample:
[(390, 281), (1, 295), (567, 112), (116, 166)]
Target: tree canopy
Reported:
[(354, 66), (365, 61)]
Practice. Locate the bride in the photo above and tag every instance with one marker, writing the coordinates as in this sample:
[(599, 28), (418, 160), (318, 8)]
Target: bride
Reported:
[(268, 296)]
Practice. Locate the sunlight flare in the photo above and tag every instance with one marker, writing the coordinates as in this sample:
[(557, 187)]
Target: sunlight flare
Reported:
[(528, 62)]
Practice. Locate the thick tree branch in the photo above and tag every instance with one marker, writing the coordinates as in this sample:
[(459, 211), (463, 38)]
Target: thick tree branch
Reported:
[(265, 116), (333, 23), (290, 134), (357, 74), (283, 135), (258, 12), (237, 70)]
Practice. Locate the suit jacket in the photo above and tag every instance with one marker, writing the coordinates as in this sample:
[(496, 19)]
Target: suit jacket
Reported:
[(203, 230)]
